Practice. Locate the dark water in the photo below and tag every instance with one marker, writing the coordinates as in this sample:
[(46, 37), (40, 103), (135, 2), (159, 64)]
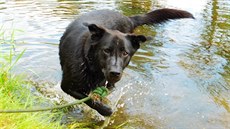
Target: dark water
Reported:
[(180, 79)]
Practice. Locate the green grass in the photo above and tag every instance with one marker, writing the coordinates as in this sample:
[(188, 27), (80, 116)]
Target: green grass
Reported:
[(15, 93)]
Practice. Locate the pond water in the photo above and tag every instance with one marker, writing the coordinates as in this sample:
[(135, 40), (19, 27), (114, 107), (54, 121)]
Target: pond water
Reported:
[(180, 79)]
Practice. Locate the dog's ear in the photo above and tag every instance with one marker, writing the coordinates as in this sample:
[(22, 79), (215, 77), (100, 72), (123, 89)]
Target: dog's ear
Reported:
[(137, 39), (96, 32)]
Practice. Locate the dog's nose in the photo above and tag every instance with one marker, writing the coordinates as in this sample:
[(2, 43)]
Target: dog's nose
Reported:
[(115, 74)]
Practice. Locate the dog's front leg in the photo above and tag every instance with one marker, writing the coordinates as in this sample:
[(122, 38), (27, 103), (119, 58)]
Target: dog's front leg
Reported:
[(101, 108)]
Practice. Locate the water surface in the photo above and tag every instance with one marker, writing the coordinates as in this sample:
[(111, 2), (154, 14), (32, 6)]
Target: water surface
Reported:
[(180, 79)]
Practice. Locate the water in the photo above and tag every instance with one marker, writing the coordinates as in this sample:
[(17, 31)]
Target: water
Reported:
[(180, 79)]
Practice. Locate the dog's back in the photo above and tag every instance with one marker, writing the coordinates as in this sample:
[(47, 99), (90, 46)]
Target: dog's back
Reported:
[(106, 18), (116, 21)]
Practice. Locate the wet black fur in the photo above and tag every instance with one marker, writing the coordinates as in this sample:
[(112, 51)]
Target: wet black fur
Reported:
[(81, 54)]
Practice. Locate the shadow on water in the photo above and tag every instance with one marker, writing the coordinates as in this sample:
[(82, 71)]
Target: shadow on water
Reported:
[(180, 79)]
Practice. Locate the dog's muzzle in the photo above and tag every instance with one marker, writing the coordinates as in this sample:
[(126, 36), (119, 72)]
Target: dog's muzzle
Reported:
[(112, 76)]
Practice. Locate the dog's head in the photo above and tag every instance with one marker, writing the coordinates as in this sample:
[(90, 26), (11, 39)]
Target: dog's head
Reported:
[(113, 50)]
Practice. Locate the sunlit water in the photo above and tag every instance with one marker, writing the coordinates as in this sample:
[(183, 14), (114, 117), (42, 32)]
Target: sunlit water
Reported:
[(180, 79)]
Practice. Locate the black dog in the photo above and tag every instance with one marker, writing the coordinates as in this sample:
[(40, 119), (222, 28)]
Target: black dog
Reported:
[(97, 46)]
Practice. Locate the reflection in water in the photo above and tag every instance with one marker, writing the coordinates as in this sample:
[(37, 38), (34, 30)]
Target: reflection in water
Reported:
[(131, 7), (179, 78), (209, 63)]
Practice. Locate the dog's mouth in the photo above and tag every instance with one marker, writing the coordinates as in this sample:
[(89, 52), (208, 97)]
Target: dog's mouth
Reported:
[(112, 79)]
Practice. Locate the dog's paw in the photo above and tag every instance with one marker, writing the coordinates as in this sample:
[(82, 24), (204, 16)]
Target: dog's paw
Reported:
[(103, 109)]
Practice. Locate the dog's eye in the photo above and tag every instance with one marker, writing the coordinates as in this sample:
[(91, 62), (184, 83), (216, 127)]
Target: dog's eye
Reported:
[(106, 51), (125, 53)]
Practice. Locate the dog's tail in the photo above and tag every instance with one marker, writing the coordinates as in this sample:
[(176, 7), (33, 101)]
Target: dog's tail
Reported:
[(159, 16)]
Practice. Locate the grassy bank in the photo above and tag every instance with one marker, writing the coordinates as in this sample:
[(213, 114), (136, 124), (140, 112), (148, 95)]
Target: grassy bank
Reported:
[(16, 94)]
